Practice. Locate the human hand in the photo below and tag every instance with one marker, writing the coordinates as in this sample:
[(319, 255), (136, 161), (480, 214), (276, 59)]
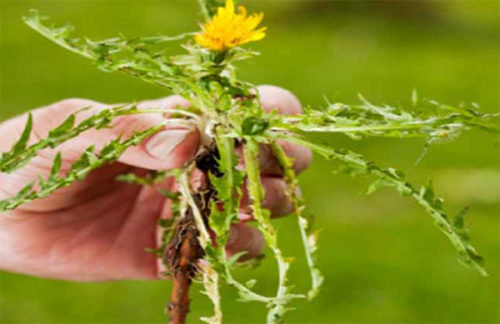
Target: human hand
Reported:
[(99, 228)]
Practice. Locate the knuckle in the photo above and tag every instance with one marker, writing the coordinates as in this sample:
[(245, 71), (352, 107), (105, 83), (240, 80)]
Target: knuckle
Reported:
[(302, 156), (73, 104), (178, 101), (273, 97), (170, 102)]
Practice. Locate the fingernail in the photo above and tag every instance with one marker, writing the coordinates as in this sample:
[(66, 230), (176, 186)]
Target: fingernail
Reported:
[(162, 144)]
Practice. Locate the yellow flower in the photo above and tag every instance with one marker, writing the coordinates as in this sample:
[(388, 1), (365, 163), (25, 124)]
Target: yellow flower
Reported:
[(229, 29)]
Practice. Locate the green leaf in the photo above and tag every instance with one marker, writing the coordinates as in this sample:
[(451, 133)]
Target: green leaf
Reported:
[(235, 257), (25, 190), (165, 223), (25, 136), (87, 162), (56, 166), (432, 121), (309, 239), (250, 283), (459, 220), (376, 185), (169, 194), (254, 126), (64, 127), (20, 155), (424, 197)]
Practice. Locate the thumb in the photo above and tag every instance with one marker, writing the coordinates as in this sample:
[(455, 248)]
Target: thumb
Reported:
[(169, 148)]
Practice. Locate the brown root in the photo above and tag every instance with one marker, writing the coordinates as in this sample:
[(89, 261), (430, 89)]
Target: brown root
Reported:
[(184, 251)]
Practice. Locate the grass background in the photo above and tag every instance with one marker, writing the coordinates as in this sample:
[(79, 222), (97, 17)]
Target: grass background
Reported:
[(383, 260)]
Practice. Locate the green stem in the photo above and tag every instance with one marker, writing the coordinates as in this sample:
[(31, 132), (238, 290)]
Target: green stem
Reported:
[(229, 192), (256, 193), (112, 152), (12, 160), (415, 128), (466, 252), (309, 240)]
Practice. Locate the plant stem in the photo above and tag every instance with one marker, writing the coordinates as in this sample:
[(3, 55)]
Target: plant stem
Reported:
[(423, 197), (277, 307), (309, 239)]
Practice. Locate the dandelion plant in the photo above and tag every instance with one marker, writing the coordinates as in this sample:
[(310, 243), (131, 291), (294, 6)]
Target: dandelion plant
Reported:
[(228, 113)]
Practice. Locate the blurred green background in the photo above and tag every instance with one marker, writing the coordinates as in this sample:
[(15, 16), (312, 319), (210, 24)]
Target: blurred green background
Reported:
[(382, 259)]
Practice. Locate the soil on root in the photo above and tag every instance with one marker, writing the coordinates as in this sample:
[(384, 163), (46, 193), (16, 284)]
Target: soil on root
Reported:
[(183, 252)]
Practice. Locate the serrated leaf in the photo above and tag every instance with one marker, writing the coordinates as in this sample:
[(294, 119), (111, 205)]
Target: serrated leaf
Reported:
[(87, 162), (459, 220), (56, 166), (25, 136), (169, 194), (425, 197), (254, 126), (375, 185), (64, 127), (165, 222), (235, 257), (250, 283), (26, 189)]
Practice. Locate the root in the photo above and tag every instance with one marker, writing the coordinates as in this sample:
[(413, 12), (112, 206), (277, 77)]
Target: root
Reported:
[(183, 264), (184, 250)]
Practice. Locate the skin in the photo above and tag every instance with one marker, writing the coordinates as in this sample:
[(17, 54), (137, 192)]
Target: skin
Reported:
[(98, 229)]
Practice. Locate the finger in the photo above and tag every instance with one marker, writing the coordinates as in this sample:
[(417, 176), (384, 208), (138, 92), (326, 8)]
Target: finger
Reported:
[(269, 165), (169, 148), (244, 238), (276, 98), (170, 102), (272, 97), (275, 200)]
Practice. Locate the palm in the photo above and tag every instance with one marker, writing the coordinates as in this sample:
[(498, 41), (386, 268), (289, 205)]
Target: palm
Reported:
[(90, 228)]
